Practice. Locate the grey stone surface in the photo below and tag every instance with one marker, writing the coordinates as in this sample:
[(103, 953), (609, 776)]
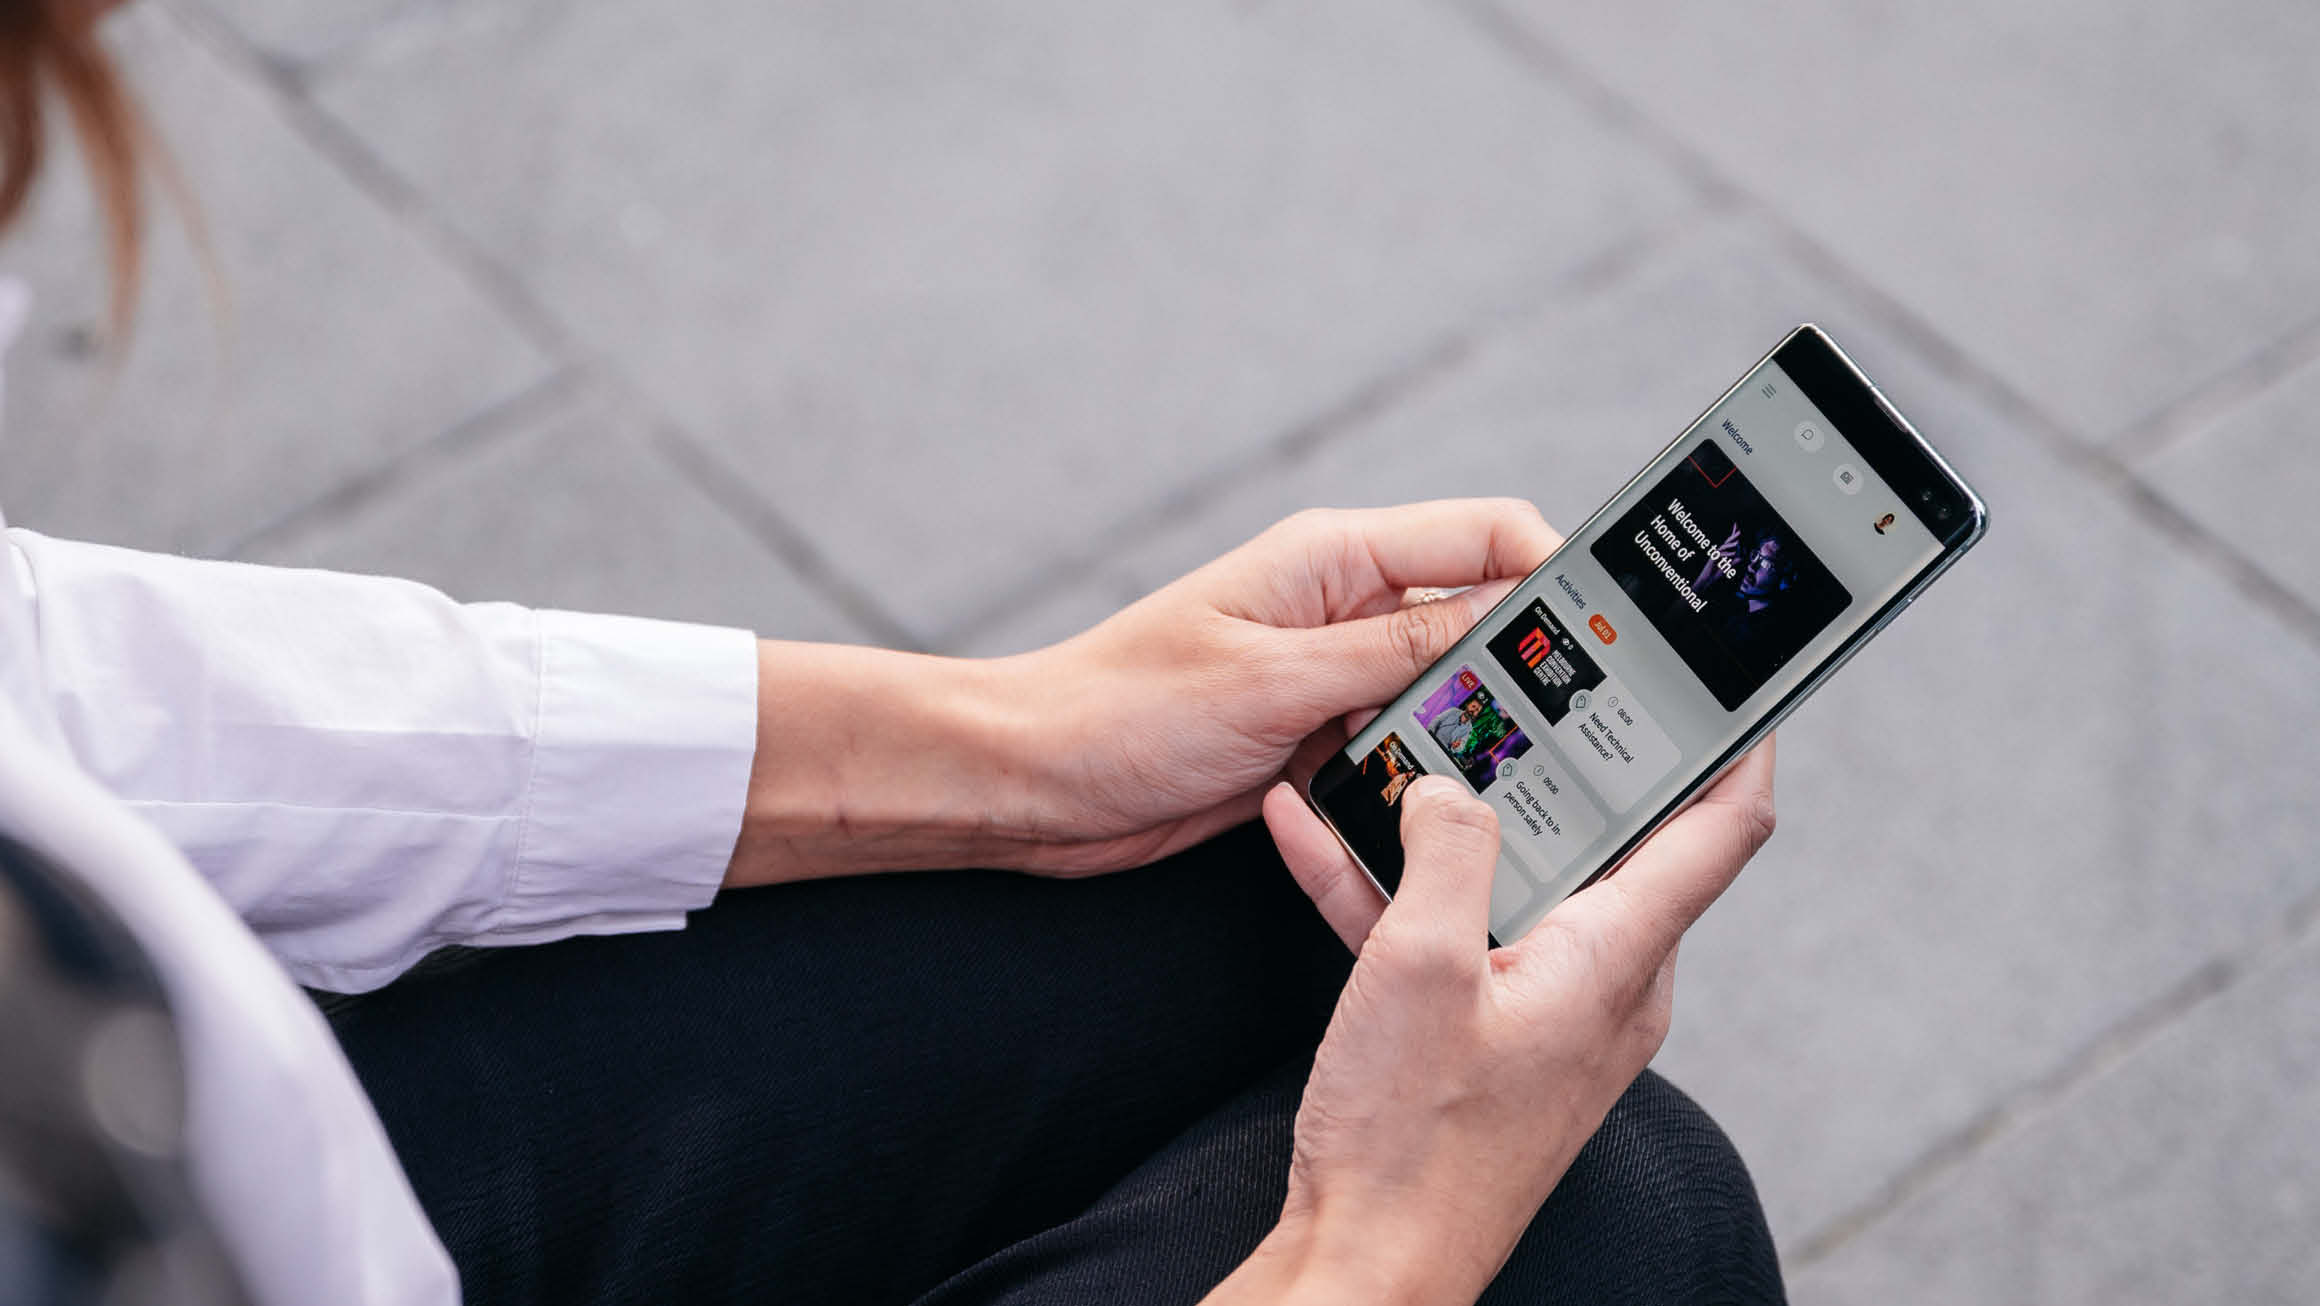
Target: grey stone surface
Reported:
[(299, 32), (2190, 1173), (570, 510), (955, 287), (337, 339), (2253, 478), (2040, 801), (2106, 204), (1050, 613)]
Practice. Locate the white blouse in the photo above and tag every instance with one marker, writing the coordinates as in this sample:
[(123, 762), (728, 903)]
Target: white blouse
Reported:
[(279, 777)]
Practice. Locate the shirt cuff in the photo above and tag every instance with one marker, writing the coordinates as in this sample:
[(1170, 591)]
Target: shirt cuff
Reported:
[(640, 768)]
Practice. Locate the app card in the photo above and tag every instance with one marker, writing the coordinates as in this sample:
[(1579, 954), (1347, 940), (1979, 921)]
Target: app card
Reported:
[(1545, 660), (1472, 729), (1542, 810), (1614, 744)]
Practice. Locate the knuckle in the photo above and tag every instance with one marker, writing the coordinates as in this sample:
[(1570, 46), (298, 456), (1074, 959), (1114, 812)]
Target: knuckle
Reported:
[(1508, 505), (1750, 823), (1421, 633), (1763, 818), (1308, 523), (1295, 531), (1744, 824), (1524, 511)]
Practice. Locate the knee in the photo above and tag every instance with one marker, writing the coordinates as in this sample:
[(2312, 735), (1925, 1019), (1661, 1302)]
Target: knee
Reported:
[(1657, 1207)]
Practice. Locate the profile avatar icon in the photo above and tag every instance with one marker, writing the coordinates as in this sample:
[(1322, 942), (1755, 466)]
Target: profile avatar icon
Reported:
[(1883, 522)]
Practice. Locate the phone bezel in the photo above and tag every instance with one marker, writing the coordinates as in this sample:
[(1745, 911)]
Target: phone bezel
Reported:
[(1950, 509)]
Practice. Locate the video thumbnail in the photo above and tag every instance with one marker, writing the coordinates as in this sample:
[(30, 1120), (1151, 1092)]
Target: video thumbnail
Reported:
[(1720, 575), (1471, 727), (1389, 768), (1545, 661)]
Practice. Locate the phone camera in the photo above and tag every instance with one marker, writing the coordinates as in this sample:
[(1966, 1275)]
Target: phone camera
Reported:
[(1925, 496), (1941, 513)]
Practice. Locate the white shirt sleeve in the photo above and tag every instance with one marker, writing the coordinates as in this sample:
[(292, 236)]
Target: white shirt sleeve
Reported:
[(367, 770)]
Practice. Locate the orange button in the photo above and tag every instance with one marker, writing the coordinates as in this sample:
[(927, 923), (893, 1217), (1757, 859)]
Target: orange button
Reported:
[(1602, 628)]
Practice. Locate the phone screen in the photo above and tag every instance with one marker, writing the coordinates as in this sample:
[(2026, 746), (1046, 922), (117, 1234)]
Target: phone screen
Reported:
[(1714, 586)]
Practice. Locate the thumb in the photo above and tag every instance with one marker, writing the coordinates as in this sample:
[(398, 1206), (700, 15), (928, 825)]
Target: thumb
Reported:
[(1365, 662), (1450, 856)]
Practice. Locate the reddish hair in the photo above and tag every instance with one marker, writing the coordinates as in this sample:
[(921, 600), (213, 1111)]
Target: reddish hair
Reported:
[(51, 45)]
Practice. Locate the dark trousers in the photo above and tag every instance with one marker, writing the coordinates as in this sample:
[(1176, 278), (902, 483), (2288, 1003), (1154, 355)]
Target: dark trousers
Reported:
[(962, 1087)]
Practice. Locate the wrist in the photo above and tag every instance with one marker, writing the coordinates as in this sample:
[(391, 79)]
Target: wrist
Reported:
[(875, 760), (1309, 1259)]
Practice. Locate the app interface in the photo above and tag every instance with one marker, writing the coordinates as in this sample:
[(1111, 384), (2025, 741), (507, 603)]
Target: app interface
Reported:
[(1737, 563)]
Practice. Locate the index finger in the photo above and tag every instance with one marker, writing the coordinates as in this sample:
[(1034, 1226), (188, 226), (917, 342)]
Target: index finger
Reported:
[(1380, 552)]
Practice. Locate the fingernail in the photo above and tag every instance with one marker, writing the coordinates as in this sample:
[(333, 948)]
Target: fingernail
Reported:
[(1435, 786)]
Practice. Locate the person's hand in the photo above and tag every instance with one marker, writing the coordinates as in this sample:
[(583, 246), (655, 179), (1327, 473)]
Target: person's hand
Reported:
[(1150, 732), (1456, 1083), (1164, 724)]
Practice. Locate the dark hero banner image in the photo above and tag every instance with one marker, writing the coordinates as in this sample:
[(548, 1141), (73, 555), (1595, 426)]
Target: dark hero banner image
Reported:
[(1722, 578)]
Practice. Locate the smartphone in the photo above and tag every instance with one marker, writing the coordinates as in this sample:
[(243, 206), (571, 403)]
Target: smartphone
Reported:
[(1672, 631)]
